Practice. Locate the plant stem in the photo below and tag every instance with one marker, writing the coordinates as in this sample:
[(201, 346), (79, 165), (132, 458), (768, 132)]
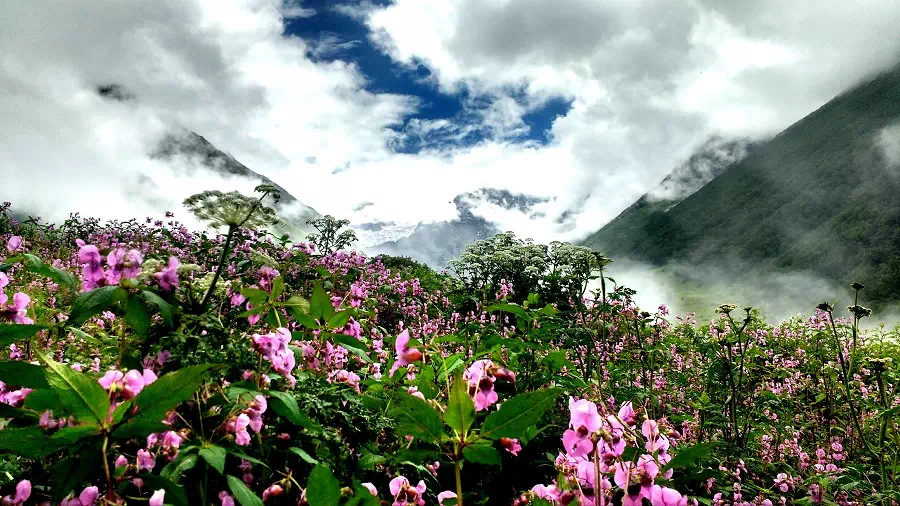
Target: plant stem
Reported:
[(110, 495), (459, 491), (222, 258)]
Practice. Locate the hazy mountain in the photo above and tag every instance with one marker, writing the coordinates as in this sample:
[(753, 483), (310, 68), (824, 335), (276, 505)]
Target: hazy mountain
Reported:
[(437, 243), (821, 197)]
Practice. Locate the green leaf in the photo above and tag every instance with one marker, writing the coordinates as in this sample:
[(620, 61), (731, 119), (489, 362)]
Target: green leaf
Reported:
[(353, 345), (460, 410), (509, 308), (215, 457), (84, 335), (161, 396), (285, 405), (175, 494), (68, 436), (137, 315), (482, 453), (255, 295), (61, 277), (320, 306), (303, 455), (303, 318), (94, 302), (296, 302), (29, 442), (339, 319), (518, 413), (368, 460), (244, 496), (323, 488), (78, 393), (686, 456), (42, 400), (185, 461), (23, 374), (277, 288), (12, 333), (165, 309), (416, 418), (248, 458)]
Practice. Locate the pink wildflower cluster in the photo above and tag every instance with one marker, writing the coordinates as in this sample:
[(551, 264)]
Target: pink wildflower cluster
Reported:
[(274, 348), (250, 417), (595, 443), (120, 264)]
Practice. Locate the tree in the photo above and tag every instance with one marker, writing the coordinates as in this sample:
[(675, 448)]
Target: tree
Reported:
[(330, 237)]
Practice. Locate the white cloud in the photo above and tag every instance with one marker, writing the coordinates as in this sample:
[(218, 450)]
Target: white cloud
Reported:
[(648, 80)]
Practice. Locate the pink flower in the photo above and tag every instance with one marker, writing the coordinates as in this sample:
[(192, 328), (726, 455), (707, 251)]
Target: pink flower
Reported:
[(167, 279), (664, 496), (145, 460), (273, 491), (121, 461), (511, 445), (14, 244), (481, 384), (405, 494), (371, 488), (17, 311), (157, 498), (226, 498), (274, 348), (88, 497), (405, 354), (91, 272), (23, 492), (241, 436), (643, 473), (4, 280), (584, 421), (129, 384), (445, 495)]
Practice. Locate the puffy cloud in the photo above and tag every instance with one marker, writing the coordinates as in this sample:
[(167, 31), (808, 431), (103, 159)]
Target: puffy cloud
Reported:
[(649, 81)]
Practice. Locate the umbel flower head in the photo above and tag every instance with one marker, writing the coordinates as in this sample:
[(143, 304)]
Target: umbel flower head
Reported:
[(860, 311), (233, 209), (726, 308)]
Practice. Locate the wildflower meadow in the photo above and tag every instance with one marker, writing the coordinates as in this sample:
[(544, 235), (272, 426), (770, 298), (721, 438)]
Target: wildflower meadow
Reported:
[(144, 362)]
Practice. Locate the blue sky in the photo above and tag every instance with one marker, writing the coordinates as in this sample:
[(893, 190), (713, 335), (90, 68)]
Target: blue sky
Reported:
[(385, 75)]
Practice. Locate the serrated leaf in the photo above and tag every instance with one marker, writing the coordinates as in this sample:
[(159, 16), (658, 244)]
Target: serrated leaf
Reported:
[(12, 333), (460, 409), (161, 396), (482, 454), (295, 301), (77, 393), (320, 306), (518, 413), (303, 455), (353, 345), (323, 488), (42, 400), (215, 457), (339, 319), (243, 495), (416, 418), (285, 405), (28, 442), (23, 374), (94, 302)]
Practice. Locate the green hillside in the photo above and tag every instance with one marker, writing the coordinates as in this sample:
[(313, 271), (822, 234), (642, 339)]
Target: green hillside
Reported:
[(820, 197)]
